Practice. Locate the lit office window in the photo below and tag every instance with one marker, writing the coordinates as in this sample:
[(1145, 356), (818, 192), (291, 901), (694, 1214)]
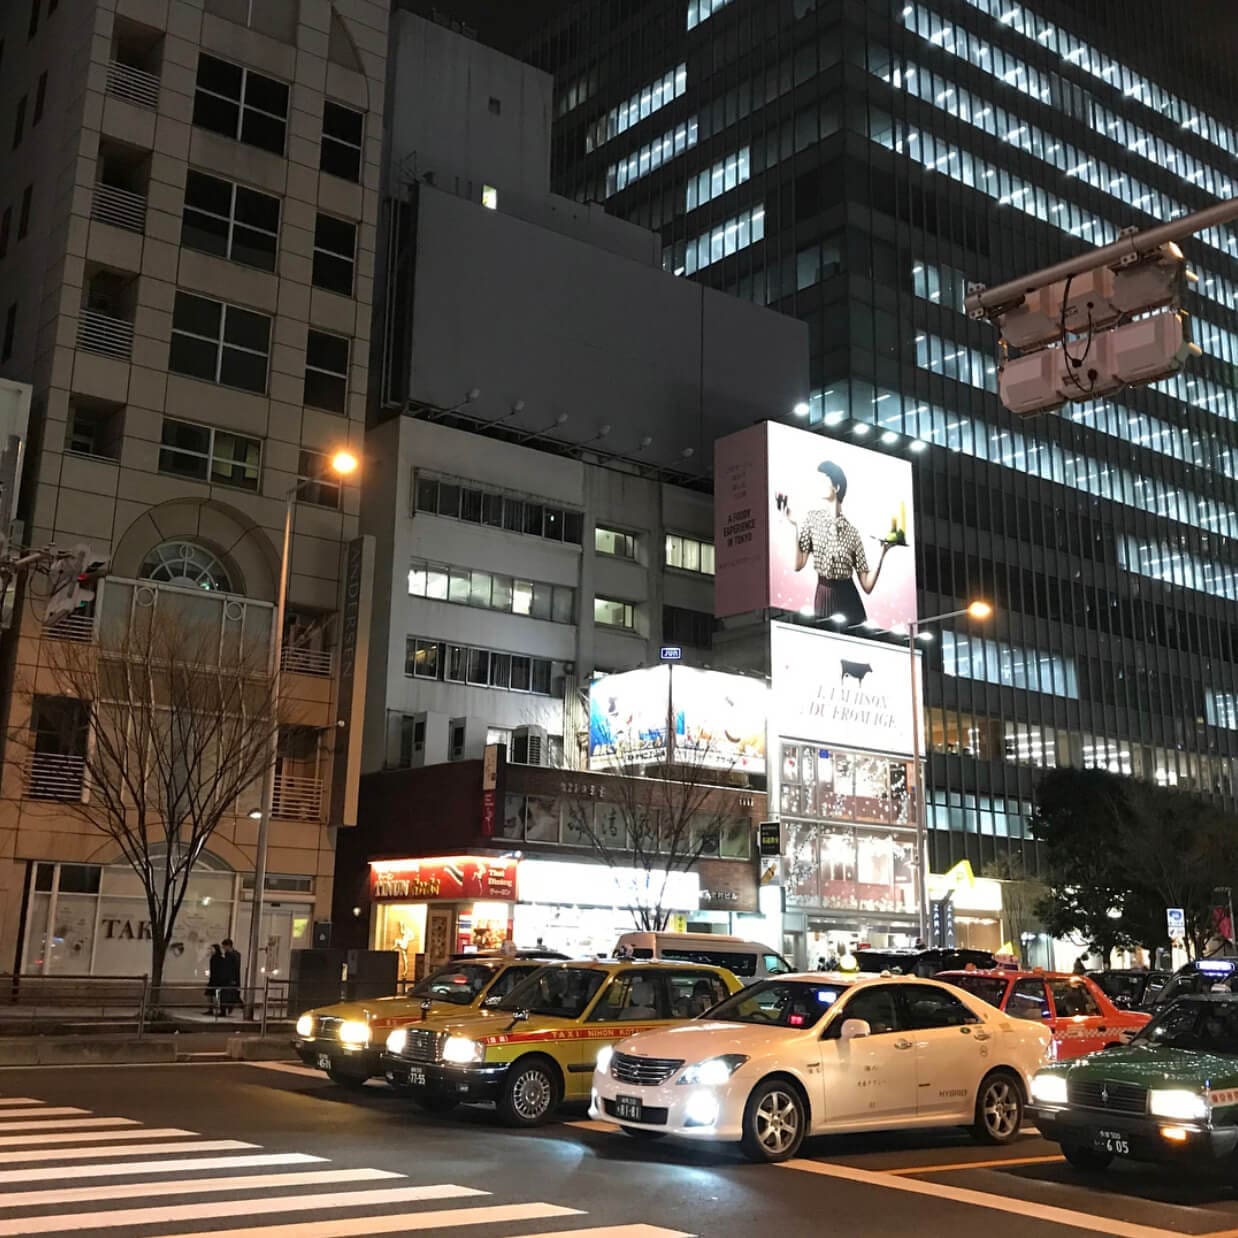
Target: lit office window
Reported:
[(721, 178), (1221, 709), (1012, 666), (651, 156), (633, 110), (702, 10), (747, 228), (689, 554)]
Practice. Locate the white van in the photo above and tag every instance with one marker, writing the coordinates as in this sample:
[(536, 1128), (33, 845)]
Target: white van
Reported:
[(750, 961)]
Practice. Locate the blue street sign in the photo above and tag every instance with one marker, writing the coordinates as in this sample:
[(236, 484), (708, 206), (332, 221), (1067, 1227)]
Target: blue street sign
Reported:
[(671, 653), (1176, 921)]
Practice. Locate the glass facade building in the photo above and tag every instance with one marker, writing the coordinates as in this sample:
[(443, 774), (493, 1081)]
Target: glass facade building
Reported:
[(857, 163)]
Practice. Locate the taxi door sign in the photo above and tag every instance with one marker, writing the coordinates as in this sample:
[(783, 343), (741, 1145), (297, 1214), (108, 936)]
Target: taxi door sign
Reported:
[(1175, 919)]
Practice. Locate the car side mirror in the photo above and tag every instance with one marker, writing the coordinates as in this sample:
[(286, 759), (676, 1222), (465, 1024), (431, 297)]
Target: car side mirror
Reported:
[(855, 1029)]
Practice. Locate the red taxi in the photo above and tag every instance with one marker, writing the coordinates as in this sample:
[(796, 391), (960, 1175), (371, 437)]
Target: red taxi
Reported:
[(1074, 1008)]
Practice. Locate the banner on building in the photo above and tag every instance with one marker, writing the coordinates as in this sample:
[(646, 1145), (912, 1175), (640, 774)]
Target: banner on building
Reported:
[(355, 615), (810, 524), (453, 877)]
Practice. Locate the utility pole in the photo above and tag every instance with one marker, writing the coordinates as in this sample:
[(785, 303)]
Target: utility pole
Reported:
[(1085, 328)]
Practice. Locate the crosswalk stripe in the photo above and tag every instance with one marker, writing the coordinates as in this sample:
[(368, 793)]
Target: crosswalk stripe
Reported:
[(194, 1186), (614, 1231), (46, 1112), (362, 1227), (65, 1124), (169, 1214), (592, 1124), (25, 1141), (197, 1164), (289, 1068), (19, 1100), (42, 1153)]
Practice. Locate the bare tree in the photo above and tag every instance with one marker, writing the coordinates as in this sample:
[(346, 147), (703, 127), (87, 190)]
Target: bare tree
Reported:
[(655, 826), (174, 725)]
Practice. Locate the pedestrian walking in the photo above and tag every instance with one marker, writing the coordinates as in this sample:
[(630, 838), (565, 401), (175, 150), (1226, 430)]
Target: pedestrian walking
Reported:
[(215, 975), (230, 985)]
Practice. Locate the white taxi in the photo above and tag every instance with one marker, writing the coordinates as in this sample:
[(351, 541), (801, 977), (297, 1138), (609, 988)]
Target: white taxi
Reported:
[(824, 1054)]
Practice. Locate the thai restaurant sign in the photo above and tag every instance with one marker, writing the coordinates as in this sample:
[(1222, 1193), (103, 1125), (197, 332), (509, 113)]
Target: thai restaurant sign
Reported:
[(444, 879)]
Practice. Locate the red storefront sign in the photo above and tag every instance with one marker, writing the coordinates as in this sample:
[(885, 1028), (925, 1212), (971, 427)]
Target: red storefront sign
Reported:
[(453, 877)]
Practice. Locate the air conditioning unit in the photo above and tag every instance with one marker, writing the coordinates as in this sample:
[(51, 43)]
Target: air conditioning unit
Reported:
[(530, 746)]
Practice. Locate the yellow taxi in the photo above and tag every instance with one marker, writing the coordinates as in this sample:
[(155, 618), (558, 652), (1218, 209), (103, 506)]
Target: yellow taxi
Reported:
[(539, 1044), (345, 1040)]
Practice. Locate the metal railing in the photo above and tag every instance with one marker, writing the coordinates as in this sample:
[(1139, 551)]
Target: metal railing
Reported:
[(52, 776), (133, 85), (122, 208), (315, 662), (133, 1004), (297, 799), (71, 627), (101, 333)]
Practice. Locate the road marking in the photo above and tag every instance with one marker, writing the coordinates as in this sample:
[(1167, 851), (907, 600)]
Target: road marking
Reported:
[(65, 1124), (981, 1199), (192, 1186), (289, 1068), (614, 1231), (361, 1227), (592, 1124), (170, 1214), (1010, 1160), (7, 1124), (19, 1100), (191, 1164), (141, 1149), (25, 1141)]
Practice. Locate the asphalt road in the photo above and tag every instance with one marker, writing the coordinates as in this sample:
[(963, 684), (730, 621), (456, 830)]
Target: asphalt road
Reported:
[(276, 1151)]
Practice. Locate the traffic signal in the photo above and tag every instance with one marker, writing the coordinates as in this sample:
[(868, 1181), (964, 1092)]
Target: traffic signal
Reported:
[(1088, 336), (71, 582)]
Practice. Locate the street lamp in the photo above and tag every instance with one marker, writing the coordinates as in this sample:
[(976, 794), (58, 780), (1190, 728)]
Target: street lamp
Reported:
[(974, 610), (342, 463)]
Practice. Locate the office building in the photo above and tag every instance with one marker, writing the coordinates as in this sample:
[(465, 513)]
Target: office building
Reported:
[(186, 257), (856, 165)]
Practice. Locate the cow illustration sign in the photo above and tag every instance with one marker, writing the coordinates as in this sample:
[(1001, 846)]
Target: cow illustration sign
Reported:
[(838, 690)]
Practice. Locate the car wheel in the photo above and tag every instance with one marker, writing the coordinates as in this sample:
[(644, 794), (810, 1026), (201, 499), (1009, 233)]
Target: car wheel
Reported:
[(1089, 1160), (530, 1093), (432, 1104), (353, 1082), (637, 1133), (999, 1109), (774, 1122)]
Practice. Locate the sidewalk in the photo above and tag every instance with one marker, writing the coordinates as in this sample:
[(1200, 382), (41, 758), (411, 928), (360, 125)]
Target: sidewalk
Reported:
[(112, 1047)]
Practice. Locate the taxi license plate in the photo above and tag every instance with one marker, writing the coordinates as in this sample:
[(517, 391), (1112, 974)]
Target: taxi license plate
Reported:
[(416, 1077), (628, 1107), (324, 1061), (1112, 1141)]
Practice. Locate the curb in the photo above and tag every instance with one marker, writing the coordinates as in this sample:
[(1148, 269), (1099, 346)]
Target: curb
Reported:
[(258, 1049), (78, 1051)]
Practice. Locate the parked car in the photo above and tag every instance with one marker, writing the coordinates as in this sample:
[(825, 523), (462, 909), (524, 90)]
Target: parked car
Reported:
[(538, 1046), (1131, 988), (1074, 1008), (1170, 1095), (345, 1040), (1197, 976), (922, 962), (819, 1053), (749, 960)]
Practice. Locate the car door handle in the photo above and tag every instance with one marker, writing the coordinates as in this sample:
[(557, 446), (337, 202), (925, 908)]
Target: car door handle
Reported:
[(983, 1035), (903, 1044)]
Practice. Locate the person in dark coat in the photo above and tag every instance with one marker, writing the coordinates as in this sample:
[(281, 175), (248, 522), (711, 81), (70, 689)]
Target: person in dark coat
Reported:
[(215, 975), (230, 988)]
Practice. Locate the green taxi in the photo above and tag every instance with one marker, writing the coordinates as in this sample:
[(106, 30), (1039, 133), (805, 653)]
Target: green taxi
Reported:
[(345, 1040), (1170, 1095), (539, 1045)]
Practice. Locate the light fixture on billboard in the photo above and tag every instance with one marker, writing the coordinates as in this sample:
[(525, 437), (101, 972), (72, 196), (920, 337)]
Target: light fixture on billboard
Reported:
[(807, 610), (926, 636), (860, 429), (889, 437), (838, 617), (918, 445), (801, 408), (835, 418)]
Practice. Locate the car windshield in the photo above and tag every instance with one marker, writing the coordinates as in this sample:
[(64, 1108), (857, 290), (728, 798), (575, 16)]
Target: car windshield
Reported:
[(1208, 1026), (779, 1003), (458, 984), (989, 989), (562, 991)]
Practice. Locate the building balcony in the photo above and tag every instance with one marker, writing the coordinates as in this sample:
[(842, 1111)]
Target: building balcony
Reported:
[(134, 85), (76, 627), (297, 799), (119, 207), (55, 776), (315, 662), (102, 333)]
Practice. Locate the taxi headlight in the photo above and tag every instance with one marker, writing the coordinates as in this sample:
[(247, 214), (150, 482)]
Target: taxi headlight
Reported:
[(1177, 1103), (713, 1071), (1049, 1089), (603, 1062), (397, 1041), (461, 1050), (354, 1032), (305, 1025)]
